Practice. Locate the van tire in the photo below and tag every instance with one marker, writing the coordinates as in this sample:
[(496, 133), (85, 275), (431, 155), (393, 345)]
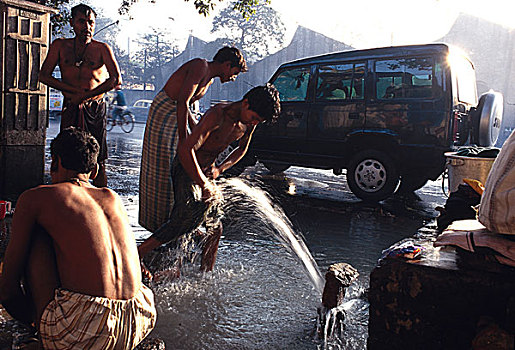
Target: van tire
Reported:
[(411, 183), (372, 175)]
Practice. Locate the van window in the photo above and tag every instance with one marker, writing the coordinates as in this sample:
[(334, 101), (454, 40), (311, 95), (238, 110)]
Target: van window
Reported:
[(292, 84), (341, 81), (405, 78), (465, 78)]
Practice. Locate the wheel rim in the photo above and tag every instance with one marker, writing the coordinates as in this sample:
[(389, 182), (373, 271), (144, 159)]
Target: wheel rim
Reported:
[(127, 123), (370, 175)]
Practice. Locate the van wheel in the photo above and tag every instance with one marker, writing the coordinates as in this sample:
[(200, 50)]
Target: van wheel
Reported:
[(372, 175), (275, 168)]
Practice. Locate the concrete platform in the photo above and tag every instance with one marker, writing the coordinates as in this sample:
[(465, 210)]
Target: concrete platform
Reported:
[(447, 299)]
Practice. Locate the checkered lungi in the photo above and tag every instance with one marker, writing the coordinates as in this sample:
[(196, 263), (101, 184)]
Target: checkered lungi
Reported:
[(159, 147), (77, 321)]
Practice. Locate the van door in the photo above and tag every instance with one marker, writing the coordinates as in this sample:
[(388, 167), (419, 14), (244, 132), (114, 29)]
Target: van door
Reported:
[(286, 138), (338, 108)]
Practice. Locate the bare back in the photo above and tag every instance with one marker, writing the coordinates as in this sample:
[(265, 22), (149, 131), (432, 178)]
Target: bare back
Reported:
[(192, 73), (95, 248)]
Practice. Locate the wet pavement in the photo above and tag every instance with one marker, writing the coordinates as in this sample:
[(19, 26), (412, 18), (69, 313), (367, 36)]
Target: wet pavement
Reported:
[(258, 297)]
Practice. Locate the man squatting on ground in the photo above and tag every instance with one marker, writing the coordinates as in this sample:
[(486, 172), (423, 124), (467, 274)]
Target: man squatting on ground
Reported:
[(72, 247), (83, 63), (167, 124), (196, 196)]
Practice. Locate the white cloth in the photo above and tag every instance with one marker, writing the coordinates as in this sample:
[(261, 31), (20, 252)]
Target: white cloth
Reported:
[(497, 209)]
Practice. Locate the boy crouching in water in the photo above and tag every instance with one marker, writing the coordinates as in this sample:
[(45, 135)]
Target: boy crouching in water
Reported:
[(193, 169)]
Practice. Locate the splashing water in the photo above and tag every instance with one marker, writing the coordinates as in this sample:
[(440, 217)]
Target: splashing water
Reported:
[(254, 298), (246, 206)]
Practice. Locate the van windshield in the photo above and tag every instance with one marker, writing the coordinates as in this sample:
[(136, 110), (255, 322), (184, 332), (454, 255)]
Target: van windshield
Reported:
[(292, 84), (465, 78)]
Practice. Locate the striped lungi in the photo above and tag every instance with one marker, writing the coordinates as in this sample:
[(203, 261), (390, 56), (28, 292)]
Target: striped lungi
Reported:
[(159, 147)]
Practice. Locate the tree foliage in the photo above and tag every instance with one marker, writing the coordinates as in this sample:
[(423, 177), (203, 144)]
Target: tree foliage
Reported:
[(256, 36), (153, 53), (246, 8)]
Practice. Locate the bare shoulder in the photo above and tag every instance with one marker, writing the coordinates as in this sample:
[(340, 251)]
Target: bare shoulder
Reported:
[(197, 65), (99, 45), (217, 111), (61, 42), (38, 195)]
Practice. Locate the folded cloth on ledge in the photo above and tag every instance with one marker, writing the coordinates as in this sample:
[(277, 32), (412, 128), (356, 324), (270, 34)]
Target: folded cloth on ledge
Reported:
[(472, 236)]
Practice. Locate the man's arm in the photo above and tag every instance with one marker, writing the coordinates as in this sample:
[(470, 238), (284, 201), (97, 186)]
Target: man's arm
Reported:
[(238, 152), (14, 300), (196, 70), (49, 64)]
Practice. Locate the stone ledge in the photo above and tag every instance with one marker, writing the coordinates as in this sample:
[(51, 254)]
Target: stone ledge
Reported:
[(441, 301)]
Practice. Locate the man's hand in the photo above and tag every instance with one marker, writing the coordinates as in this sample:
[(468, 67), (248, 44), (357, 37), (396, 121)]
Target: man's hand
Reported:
[(211, 192), (145, 272), (212, 172), (77, 96)]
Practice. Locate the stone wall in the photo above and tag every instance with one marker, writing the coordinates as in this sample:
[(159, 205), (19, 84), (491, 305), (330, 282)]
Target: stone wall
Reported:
[(446, 300)]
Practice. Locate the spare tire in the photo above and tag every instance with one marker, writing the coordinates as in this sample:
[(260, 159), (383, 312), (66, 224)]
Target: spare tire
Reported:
[(487, 120)]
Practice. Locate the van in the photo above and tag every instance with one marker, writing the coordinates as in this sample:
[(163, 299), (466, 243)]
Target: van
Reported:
[(386, 115)]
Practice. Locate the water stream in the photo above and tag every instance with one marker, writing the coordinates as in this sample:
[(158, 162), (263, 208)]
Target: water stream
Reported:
[(264, 291)]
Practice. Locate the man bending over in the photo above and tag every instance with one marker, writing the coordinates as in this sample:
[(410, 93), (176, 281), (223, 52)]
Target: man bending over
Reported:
[(195, 195), (72, 247)]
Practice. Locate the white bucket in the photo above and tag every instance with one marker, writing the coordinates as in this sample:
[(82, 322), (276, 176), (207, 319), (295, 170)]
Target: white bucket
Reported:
[(461, 167)]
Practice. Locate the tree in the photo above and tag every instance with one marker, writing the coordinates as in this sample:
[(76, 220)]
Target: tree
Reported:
[(256, 36), (245, 7), (153, 53)]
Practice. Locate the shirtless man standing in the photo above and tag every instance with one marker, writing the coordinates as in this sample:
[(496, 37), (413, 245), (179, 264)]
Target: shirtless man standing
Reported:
[(88, 70), (196, 195), (72, 247), (167, 124)]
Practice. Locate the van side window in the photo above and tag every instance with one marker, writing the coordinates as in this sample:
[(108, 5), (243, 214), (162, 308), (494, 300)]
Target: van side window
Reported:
[(341, 81), (292, 84), (405, 78)]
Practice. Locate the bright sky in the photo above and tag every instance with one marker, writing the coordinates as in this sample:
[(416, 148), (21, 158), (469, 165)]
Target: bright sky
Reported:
[(362, 24)]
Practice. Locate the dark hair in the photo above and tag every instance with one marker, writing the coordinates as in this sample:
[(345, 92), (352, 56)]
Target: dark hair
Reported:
[(77, 149), (233, 55), (84, 9), (264, 100)]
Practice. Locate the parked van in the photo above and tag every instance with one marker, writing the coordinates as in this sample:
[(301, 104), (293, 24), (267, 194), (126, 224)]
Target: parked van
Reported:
[(387, 115)]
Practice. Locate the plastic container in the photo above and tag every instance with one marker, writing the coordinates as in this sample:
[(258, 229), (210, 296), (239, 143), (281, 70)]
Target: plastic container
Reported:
[(461, 167)]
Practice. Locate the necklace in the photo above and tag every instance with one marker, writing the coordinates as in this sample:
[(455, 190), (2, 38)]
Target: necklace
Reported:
[(79, 59), (77, 181)]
